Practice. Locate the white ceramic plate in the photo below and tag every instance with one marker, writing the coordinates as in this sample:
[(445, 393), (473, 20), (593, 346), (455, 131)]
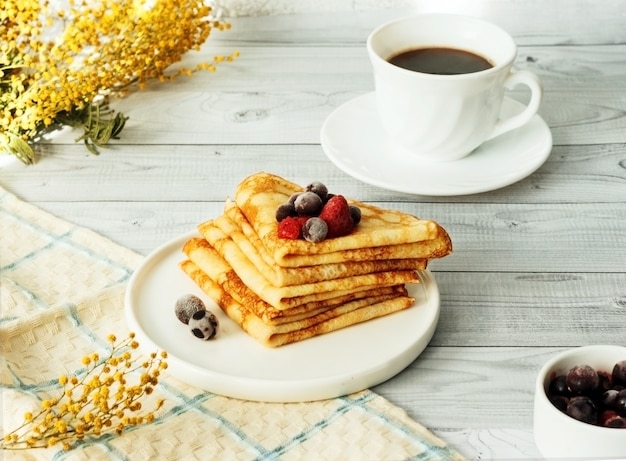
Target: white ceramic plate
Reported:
[(354, 141), (235, 365)]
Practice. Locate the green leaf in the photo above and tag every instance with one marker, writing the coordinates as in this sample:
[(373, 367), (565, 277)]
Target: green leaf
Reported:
[(15, 145), (100, 125)]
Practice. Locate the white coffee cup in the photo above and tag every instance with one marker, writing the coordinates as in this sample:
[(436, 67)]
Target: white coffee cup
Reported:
[(446, 117)]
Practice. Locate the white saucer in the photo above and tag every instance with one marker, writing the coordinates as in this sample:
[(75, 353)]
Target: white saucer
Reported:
[(354, 141), (235, 365)]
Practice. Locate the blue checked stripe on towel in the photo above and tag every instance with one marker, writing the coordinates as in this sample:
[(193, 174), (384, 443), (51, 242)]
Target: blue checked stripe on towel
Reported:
[(61, 294)]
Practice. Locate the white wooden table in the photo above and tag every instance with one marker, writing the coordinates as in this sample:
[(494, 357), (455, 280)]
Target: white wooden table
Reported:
[(538, 266)]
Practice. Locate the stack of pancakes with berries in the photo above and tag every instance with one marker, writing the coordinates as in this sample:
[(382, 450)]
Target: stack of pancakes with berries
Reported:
[(287, 266)]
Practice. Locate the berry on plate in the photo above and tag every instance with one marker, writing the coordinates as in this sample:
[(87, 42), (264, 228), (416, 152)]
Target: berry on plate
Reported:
[(186, 306), (204, 324)]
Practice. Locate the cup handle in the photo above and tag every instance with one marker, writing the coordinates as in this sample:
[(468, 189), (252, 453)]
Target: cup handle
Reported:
[(520, 77)]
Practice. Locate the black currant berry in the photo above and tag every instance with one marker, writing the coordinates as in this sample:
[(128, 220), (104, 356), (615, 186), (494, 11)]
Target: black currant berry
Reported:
[(582, 379)]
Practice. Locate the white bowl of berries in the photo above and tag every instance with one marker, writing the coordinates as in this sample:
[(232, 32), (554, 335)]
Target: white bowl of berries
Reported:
[(580, 404)]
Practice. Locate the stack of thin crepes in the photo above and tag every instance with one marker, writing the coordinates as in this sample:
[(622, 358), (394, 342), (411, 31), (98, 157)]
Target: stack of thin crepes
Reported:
[(281, 291)]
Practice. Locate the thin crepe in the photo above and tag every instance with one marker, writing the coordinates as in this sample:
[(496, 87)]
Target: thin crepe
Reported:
[(234, 224), (381, 234), (228, 264), (219, 270), (279, 335)]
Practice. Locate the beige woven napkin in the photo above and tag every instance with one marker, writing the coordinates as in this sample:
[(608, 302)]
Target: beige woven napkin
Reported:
[(62, 291)]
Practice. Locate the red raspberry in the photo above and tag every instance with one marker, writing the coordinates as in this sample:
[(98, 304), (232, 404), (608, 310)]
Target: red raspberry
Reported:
[(337, 215), (291, 227)]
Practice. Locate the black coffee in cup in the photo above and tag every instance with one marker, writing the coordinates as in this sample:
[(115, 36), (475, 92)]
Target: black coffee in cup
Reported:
[(440, 61)]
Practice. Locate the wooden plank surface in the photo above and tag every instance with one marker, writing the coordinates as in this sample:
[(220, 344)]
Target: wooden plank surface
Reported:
[(584, 100), (572, 174), (538, 266)]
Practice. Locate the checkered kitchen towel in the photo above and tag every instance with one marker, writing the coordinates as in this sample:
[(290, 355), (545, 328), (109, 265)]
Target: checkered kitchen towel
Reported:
[(61, 294)]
